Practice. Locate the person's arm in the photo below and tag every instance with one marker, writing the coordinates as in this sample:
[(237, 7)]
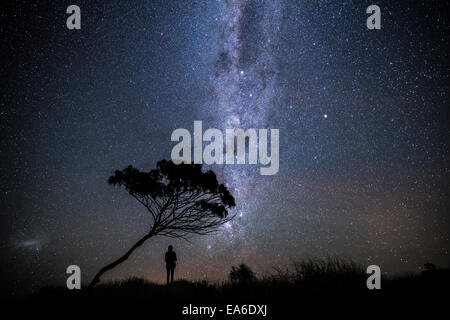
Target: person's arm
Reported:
[(174, 256)]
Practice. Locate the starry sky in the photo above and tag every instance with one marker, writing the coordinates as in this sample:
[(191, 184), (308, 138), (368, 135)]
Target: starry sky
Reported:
[(363, 119)]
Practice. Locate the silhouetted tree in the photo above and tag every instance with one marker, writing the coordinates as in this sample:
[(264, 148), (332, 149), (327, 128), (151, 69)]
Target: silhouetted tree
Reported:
[(181, 200), (241, 275)]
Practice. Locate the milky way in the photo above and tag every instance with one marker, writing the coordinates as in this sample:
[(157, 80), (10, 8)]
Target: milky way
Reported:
[(245, 83), (362, 114)]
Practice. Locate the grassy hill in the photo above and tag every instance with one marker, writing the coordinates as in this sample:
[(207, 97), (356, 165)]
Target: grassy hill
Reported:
[(312, 283)]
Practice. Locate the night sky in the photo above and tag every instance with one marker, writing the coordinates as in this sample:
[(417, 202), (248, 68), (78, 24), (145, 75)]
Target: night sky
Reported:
[(363, 119)]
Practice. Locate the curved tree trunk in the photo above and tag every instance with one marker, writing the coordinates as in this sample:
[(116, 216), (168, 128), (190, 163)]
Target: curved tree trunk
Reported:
[(118, 261)]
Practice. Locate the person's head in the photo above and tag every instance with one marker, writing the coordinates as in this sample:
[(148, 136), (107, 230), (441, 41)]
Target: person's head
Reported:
[(170, 248)]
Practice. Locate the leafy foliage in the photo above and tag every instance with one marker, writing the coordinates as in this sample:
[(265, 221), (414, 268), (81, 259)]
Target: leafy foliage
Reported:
[(241, 275), (182, 199)]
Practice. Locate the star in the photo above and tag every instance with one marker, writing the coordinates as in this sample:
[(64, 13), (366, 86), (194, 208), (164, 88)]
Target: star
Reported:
[(79, 106)]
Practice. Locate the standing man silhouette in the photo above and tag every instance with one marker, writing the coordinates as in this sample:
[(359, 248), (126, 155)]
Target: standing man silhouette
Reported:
[(171, 259)]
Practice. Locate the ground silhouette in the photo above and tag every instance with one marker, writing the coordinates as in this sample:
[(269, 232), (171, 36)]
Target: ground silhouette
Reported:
[(324, 284)]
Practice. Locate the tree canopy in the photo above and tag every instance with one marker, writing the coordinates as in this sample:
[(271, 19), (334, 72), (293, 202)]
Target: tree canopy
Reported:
[(181, 199)]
